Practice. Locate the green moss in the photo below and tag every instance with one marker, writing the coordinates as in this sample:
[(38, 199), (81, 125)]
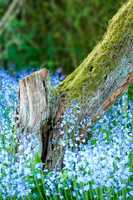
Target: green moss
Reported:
[(105, 57)]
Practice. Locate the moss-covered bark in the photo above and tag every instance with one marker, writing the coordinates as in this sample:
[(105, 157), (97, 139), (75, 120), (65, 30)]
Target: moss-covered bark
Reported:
[(105, 57)]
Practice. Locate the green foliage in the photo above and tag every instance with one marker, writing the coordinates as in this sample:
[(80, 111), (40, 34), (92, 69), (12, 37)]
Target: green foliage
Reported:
[(55, 33), (130, 92)]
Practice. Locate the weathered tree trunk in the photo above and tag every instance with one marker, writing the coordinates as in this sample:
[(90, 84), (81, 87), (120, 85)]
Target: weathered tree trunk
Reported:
[(102, 77)]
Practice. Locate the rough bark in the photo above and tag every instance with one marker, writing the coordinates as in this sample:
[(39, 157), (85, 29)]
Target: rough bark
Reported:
[(34, 105), (102, 77)]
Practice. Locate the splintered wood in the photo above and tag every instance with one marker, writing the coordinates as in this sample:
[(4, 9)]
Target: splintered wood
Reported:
[(33, 106)]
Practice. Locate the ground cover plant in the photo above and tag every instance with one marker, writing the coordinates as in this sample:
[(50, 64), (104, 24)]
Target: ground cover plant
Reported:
[(101, 168)]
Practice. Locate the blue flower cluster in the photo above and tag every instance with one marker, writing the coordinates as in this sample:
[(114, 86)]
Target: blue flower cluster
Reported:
[(103, 163), (57, 77), (12, 170), (8, 98)]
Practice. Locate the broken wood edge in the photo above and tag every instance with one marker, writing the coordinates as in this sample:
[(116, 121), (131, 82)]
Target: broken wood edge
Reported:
[(33, 100)]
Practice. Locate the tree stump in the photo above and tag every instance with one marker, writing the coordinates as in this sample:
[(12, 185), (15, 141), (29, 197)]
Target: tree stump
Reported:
[(96, 84)]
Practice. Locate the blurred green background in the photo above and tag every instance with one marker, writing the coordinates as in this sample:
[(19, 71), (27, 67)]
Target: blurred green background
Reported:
[(53, 33)]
